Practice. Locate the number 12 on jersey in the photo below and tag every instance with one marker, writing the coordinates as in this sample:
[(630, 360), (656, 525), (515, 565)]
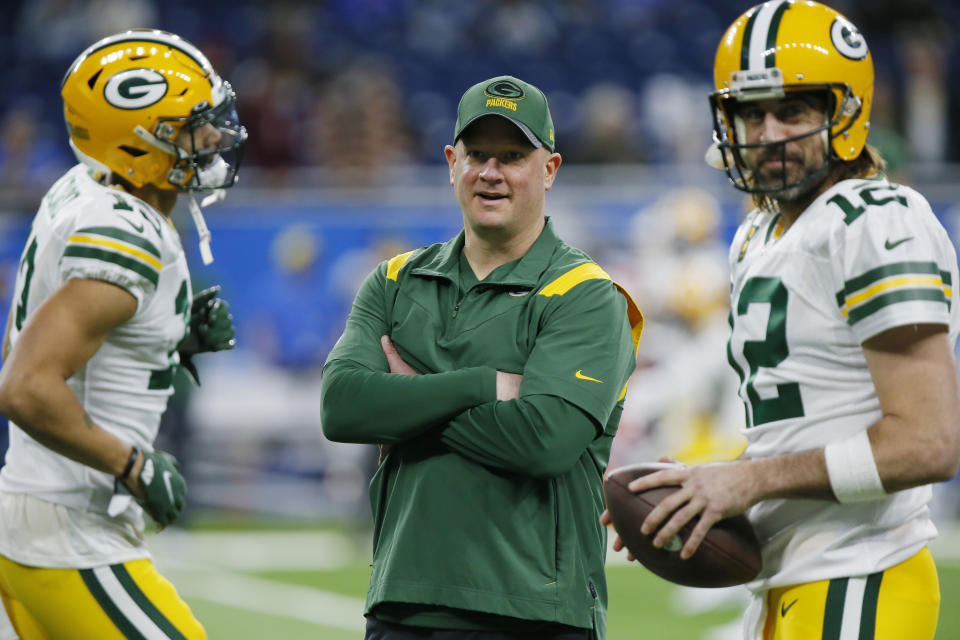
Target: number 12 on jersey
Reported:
[(766, 353)]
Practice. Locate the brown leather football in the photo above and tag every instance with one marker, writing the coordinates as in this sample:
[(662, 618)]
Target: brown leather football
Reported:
[(729, 554)]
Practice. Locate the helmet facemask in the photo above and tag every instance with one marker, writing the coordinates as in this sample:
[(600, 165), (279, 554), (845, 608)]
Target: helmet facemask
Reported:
[(199, 167), (730, 138)]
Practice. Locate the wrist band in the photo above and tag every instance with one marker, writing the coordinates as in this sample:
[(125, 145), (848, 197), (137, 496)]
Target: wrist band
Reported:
[(132, 460), (853, 470)]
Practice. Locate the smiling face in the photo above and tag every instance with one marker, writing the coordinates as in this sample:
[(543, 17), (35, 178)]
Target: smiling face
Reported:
[(773, 162), (500, 180)]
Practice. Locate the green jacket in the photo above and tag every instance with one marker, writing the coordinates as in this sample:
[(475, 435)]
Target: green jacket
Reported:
[(486, 506)]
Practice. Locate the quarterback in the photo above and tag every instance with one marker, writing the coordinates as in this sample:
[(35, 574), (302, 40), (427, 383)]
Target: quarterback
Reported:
[(843, 321), (102, 314)]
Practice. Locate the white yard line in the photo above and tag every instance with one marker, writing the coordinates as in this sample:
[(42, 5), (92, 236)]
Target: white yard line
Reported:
[(270, 597), (209, 566)]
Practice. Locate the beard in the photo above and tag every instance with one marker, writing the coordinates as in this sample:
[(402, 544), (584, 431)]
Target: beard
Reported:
[(795, 188)]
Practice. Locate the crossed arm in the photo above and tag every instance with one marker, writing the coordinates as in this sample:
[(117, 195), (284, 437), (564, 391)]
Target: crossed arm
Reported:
[(484, 427), (915, 442)]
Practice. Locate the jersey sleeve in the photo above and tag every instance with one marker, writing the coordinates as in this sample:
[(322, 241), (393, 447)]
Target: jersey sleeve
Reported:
[(893, 264), (117, 244)]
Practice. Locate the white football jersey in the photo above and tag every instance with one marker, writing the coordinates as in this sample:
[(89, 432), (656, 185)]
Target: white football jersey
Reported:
[(868, 255), (86, 230)]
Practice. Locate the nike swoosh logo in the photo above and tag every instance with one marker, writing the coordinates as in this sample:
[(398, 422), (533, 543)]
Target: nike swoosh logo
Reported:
[(136, 228), (166, 482), (890, 245), (784, 608), (579, 374)]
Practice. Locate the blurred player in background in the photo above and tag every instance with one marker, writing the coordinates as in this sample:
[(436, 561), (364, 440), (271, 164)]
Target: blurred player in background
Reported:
[(844, 319), (492, 368), (102, 315)]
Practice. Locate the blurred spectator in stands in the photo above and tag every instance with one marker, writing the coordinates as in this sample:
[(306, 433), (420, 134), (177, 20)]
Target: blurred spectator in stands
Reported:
[(672, 109), (31, 156), (926, 97), (607, 132), (358, 124), (67, 26)]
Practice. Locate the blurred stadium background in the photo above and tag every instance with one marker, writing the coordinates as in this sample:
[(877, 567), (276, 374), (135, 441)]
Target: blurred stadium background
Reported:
[(349, 104)]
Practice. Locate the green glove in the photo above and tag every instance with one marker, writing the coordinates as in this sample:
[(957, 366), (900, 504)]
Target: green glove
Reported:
[(211, 329), (164, 486)]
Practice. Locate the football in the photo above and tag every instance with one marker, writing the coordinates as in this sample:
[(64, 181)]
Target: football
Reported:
[(729, 554)]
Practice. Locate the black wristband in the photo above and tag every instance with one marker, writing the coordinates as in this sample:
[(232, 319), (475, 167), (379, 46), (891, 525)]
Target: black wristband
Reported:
[(134, 454)]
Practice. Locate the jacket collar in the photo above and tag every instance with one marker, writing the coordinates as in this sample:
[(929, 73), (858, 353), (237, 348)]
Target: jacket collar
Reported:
[(524, 272)]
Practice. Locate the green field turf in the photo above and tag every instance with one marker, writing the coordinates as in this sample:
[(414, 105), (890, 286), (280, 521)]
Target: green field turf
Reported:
[(258, 589)]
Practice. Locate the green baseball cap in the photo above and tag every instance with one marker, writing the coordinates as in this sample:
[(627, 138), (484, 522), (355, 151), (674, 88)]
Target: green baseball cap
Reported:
[(519, 102)]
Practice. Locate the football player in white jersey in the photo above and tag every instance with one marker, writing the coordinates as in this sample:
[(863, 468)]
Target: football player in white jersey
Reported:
[(102, 314), (844, 316)]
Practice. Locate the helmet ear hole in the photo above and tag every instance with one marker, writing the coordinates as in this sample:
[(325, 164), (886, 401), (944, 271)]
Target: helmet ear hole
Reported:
[(133, 151), (93, 79)]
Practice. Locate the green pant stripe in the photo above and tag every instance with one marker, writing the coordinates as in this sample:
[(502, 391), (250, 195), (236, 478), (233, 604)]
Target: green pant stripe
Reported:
[(868, 612), (124, 236), (903, 295), (770, 59), (833, 610), (745, 45), (145, 603), (113, 612), (145, 270)]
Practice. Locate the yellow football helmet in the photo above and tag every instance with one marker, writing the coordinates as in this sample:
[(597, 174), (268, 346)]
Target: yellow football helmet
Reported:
[(792, 45), (128, 97)]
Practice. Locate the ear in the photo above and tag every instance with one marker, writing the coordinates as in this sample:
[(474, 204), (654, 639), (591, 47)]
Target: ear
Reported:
[(451, 155), (551, 167)]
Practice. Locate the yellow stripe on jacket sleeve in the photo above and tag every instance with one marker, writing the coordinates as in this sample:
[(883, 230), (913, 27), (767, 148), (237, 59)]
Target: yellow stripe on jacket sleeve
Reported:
[(118, 246), (396, 263), (573, 277), (636, 320)]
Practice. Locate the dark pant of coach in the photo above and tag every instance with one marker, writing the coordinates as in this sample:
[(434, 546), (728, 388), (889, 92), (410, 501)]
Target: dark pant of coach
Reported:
[(379, 630)]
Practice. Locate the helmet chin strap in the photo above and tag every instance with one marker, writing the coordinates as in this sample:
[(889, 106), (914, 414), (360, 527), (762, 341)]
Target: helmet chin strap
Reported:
[(202, 230), (214, 174)]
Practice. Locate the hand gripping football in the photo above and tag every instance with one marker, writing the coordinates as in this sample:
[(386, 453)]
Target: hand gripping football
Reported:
[(729, 554)]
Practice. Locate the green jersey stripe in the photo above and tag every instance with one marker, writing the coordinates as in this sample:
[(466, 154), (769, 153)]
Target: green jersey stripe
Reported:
[(770, 56), (833, 610), (946, 277), (868, 613), (109, 607), (747, 34), (885, 271), (125, 236), (106, 255), (772, 228), (144, 603), (903, 295)]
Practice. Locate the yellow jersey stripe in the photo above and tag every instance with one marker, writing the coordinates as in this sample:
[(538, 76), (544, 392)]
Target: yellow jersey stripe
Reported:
[(895, 283), (122, 248)]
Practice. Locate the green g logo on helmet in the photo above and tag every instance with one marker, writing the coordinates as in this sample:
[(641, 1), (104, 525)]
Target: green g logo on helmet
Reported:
[(135, 89), (847, 39)]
